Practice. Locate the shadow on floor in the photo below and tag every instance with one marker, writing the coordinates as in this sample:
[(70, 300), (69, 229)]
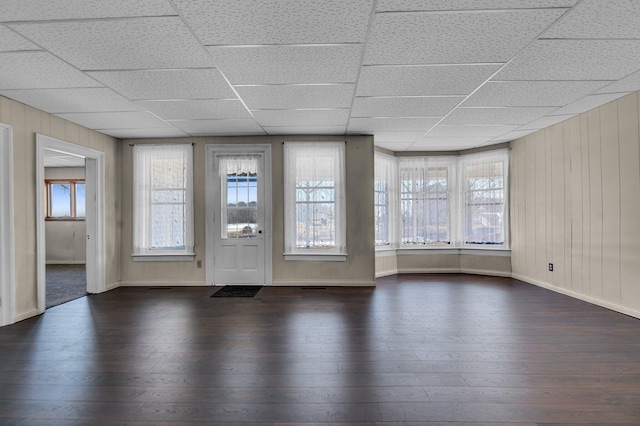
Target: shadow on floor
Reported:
[(65, 283)]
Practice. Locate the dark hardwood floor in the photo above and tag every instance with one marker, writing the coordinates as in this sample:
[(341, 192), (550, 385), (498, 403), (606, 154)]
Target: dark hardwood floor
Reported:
[(421, 349)]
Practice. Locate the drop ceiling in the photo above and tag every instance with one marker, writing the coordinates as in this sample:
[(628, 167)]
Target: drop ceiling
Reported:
[(419, 75)]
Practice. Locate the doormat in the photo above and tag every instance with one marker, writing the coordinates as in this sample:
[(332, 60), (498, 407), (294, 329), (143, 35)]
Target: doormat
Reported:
[(237, 291)]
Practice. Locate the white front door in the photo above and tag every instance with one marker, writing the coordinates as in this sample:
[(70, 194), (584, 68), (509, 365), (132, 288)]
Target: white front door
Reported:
[(238, 219)]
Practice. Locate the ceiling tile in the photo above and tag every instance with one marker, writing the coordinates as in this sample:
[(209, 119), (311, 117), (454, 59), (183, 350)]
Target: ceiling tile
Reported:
[(404, 107), (73, 100), (36, 10), (160, 42), (58, 159), (422, 80), (631, 83), (587, 103), (545, 122), (574, 60), (599, 19), (454, 38), (39, 70), (197, 110), (496, 116), (12, 42), (444, 5), (297, 96), (397, 137), (531, 93), (218, 127), (289, 64), (446, 144), (511, 136), (444, 131), (306, 130), (391, 146), (167, 84), (115, 120), (141, 133), (391, 124), (243, 22), (284, 118)]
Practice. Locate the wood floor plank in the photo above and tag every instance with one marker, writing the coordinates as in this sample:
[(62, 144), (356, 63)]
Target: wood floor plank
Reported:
[(417, 349)]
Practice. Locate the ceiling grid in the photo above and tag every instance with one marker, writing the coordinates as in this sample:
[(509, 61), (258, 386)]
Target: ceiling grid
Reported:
[(419, 75)]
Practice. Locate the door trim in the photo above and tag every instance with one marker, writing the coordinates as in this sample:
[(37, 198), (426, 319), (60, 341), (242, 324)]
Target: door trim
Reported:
[(7, 248), (95, 220), (211, 208)]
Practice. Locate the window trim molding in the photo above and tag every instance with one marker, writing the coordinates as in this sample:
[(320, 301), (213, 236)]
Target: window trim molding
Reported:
[(73, 201), (188, 254), (337, 253)]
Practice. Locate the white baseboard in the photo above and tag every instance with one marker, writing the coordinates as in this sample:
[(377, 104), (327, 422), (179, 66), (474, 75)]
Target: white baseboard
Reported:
[(26, 315), (386, 273), (161, 284), (486, 272), (576, 295), (429, 271), (112, 286), (323, 283)]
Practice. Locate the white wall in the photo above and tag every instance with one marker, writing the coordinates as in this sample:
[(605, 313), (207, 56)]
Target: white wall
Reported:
[(575, 202)]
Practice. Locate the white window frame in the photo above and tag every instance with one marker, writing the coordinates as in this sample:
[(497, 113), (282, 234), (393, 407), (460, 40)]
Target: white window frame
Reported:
[(501, 155), (142, 250), (426, 164), (292, 171), (456, 201)]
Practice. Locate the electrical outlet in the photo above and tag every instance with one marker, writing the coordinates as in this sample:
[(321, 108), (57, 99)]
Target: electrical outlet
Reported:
[(199, 264), (551, 267)]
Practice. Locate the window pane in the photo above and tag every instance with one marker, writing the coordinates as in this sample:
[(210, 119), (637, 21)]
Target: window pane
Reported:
[(425, 205), (484, 198), (242, 206), (167, 226), (80, 200), (60, 200)]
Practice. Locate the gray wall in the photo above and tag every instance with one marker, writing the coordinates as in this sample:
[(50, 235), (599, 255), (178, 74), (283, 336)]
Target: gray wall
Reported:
[(359, 269)]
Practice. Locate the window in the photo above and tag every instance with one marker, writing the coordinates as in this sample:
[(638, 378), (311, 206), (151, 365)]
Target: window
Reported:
[(425, 184), (385, 184), (163, 199), (65, 199), (239, 178), (446, 201), (314, 198), (483, 177)]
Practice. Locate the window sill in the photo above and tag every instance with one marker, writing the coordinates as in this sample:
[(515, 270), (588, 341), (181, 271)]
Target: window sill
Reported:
[(163, 257), (478, 251), (316, 257)]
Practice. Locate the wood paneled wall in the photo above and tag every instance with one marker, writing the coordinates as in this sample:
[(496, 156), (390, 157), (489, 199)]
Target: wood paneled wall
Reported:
[(26, 122), (575, 202)]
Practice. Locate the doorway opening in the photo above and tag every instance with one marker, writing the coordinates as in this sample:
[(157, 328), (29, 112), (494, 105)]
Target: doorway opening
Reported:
[(65, 227), (81, 238)]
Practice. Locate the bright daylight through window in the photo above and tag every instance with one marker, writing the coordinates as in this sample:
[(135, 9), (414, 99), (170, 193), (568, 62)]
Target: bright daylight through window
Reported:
[(442, 201), (314, 197), (163, 199), (65, 199)]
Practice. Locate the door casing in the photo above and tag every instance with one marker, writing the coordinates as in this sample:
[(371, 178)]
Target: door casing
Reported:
[(212, 204)]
